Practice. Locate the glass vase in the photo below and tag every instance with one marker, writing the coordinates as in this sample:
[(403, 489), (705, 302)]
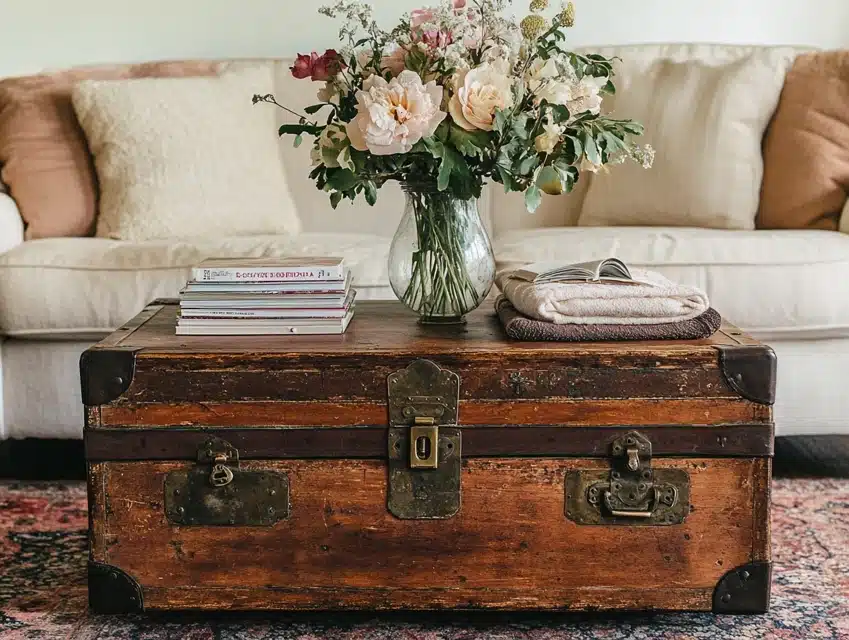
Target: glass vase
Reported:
[(441, 263)]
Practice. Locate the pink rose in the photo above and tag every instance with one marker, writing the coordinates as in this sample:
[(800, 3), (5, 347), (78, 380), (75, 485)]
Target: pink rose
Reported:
[(327, 66), (302, 68), (318, 68)]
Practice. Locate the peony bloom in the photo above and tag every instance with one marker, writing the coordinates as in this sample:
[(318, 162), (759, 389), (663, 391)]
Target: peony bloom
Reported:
[(479, 93), (549, 138), (579, 96), (318, 68), (393, 116)]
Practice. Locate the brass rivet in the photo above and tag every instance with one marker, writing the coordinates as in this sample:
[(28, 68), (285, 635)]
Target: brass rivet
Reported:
[(726, 597), (271, 492), (180, 510), (745, 575)]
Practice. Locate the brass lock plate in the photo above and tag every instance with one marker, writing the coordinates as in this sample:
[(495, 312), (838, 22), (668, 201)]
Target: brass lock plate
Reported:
[(424, 493), (252, 498), (631, 492), (424, 442), (579, 508), (218, 492)]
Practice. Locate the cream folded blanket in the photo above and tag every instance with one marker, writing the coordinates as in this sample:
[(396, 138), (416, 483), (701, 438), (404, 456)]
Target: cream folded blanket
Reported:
[(652, 300)]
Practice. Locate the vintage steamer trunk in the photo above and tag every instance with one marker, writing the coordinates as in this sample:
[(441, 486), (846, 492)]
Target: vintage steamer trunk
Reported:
[(406, 467)]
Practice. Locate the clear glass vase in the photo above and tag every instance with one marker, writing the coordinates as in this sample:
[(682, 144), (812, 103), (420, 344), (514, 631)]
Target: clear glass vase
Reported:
[(441, 263)]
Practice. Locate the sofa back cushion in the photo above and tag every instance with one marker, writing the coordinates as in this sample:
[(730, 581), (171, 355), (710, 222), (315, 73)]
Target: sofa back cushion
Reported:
[(44, 160), (186, 157), (705, 109), (806, 151)]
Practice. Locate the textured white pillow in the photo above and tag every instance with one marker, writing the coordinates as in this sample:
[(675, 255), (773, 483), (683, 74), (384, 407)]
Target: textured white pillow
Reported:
[(186, 157), (705, 111)]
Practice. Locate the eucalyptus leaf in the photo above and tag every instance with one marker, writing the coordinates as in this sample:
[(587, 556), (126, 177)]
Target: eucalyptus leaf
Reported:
[(314, 108), (370, 192), (335, 199), (533, 198), (591, 149), (299, 140), (341, 179)]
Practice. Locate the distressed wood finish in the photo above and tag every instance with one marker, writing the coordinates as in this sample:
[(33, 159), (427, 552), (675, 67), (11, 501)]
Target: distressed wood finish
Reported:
[(510, 547), (315, 408), (341, 414)]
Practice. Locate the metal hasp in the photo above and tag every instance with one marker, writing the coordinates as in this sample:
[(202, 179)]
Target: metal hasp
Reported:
[(111, 590), (219, 493), (746, 589), (424, 442), (631, 492)]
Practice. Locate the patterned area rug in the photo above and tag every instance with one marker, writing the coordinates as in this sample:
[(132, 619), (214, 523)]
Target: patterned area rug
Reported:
[(43, 594)]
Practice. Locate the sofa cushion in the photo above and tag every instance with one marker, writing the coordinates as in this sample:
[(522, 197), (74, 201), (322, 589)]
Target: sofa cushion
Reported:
[(86, 287), (44, 159), (806, 150), (705, 110), (186, 157), (776, 284)]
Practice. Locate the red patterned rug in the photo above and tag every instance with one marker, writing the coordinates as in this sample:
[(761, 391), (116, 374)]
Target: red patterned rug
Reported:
[(43, 593)]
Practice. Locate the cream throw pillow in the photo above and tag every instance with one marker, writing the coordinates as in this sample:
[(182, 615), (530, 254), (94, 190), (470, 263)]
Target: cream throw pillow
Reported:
[(705, 114), (187, 157)]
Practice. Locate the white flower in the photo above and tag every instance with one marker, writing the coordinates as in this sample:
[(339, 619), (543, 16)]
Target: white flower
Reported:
[(549, 139), (394, 116), (579, 97), (540, 72), (479, 93)]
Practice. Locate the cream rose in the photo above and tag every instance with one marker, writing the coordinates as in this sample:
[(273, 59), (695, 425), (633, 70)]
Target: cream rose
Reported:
[(393, 116), (479, 93)]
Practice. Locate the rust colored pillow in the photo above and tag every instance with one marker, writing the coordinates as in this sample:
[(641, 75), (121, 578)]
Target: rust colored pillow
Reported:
[(806, 148), (44, 159)]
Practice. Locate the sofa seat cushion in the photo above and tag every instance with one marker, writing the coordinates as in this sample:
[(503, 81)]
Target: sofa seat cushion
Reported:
[(87, 287), (774, 284)]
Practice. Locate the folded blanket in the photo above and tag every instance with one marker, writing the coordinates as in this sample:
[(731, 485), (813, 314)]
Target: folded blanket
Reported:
[(519, 327), (651, 300)]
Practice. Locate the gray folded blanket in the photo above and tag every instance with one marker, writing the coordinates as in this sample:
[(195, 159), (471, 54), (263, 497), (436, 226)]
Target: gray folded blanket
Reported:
[(520, 327)]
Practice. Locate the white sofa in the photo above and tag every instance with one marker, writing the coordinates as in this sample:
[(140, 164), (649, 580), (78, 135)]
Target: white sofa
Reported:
[(57, 296)]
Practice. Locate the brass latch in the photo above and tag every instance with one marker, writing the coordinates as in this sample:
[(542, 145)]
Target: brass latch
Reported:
[(424, 442), (221, 455), (631, 492)]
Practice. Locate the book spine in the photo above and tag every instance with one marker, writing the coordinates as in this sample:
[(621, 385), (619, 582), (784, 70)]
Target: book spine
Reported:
[(253, 274)]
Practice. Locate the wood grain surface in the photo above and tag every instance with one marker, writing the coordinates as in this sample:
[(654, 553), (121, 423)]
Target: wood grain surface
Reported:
[(510, 546)]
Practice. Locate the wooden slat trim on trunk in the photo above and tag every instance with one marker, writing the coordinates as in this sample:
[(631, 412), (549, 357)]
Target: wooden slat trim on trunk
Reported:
[(194, 380), (371, 442), (461, 599), (686, 412)]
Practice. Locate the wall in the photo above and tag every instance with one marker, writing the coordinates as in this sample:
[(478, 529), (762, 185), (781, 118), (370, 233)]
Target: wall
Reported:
[(44, 34)]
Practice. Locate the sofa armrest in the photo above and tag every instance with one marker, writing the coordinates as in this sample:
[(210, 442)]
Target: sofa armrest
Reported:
[(844, 219), (11, 224)]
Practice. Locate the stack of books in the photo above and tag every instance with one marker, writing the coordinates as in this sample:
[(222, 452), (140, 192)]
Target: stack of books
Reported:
[(265, 296)]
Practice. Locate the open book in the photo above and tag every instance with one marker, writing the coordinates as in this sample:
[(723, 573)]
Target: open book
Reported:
[(609, 270)]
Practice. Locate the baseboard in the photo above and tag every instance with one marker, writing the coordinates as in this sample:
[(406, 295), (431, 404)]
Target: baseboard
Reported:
[(42, 459), (36, 459)]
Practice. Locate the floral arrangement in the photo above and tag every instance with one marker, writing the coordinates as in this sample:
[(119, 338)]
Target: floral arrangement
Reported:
[(454, 96), (460, 94)]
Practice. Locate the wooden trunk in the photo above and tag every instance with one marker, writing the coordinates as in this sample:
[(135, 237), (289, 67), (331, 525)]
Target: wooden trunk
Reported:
[(408, 467)]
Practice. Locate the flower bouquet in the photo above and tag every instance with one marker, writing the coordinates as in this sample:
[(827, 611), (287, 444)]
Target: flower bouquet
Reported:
[(454, 96)]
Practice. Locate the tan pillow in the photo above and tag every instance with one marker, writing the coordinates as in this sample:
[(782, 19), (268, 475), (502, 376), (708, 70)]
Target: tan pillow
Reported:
[(190, 157), (806, 151), (44, 160), (706, 118)]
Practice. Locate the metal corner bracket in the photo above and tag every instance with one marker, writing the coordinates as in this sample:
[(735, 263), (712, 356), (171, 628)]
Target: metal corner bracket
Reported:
[(106, 374), (750, 370), (746, 589), (111, 590)]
